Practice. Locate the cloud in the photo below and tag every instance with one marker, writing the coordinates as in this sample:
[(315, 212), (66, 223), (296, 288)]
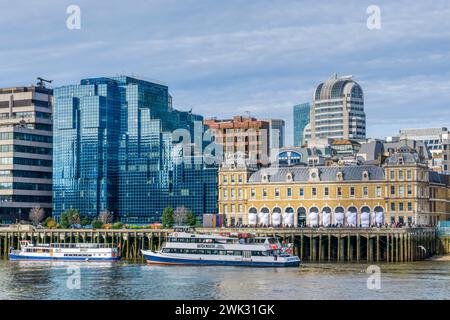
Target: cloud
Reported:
[(222, 58)]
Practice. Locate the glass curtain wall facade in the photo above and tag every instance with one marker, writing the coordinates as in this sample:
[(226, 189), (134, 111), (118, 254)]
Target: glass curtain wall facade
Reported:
[(115, 152), (301, 120)]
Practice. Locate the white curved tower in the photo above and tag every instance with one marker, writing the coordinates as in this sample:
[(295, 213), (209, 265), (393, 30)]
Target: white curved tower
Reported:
[(338, 110)]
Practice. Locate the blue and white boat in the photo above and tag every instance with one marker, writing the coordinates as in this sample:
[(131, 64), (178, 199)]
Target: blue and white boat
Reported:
[(65, 252), (185, 247)]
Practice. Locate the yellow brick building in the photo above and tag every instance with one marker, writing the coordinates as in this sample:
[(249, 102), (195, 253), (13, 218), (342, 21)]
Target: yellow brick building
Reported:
[(402, 190)]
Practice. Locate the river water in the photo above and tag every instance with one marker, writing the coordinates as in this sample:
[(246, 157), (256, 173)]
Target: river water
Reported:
[(88, 281)]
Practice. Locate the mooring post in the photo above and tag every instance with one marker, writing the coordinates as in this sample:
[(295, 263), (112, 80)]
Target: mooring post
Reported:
[(378, 247), (358, 247)]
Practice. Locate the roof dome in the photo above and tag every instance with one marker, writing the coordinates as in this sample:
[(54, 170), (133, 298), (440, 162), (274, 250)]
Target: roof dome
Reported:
[(335, 88)]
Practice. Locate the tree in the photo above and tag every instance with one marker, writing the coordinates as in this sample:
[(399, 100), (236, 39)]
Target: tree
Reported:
[(191, 219), (97, 224), (105, 217), (180, 215), (85, 221), (37, 214), (69, 218), (167, 218)]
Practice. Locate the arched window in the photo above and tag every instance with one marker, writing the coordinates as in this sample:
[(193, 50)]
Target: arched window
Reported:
[(365, 209), (253, 210), (314, 209)]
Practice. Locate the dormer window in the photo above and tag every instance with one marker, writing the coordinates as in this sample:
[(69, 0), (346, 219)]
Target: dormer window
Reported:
[(365, 175), (265, 177), (400, 160), (289, 177), (339, 176)]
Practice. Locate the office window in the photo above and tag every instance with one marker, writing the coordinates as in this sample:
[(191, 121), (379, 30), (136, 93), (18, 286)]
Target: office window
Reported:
[(339, 191), (326, 192), (409, 189), (365, 191), (224, 208), (225, 193), (392, 174), (240, 178), (289, 192), (232, 208), (409, 206), (240, 194), (401, 191), (252, 193), (400, 174), (314, 191), (378, 191), (277, 192), (232, 178), (233, 194), (409, 174), (392, 219), (264, 193), (301, 192), (240, 208), (392, 206), (352, 191), (400, 206), (225, 179), (392, 190)]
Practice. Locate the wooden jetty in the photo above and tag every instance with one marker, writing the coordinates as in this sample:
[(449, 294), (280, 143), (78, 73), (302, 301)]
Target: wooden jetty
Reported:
[(393, 245)]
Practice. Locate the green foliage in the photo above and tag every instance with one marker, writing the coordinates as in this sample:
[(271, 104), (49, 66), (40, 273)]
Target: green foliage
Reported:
[(50, 223), (85, 221), (191, 219), (97, 224), (117, 225), (168, 218), (69, 218)]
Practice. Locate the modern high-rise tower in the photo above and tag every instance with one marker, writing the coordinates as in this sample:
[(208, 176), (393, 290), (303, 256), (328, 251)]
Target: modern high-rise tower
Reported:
[(301, 120), (337, 111), (117, 150)]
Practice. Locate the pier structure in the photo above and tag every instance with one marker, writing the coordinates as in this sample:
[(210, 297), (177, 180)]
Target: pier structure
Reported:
[(310, 244)]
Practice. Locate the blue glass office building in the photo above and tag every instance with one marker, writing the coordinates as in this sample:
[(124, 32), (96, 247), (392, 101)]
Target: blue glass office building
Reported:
[(301, 120), (113, 150)]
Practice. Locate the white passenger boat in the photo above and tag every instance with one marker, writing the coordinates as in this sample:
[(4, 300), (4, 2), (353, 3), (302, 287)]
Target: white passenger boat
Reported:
[(65, 252), (185, 247)]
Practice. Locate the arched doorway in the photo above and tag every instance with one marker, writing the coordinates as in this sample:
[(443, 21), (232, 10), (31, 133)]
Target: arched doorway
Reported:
[(339, 216), (365, 217), (288, 217), (326, 216), (301, 217), (276, 217), (314, 217), (378, 215)]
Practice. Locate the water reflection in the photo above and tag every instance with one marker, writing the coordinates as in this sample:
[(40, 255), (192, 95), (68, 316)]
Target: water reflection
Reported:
[(48, 280)]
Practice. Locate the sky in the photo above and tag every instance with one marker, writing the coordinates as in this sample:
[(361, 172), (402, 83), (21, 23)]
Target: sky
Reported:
[(225, 58)]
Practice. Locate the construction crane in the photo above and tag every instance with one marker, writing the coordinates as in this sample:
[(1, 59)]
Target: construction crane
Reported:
[(41, 82)]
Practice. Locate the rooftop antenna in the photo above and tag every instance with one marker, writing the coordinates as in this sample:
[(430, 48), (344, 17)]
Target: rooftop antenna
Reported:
[(41, 82)]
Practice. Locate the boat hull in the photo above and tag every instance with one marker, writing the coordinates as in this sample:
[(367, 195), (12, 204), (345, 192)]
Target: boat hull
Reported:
[(18, 257), (157, 259)]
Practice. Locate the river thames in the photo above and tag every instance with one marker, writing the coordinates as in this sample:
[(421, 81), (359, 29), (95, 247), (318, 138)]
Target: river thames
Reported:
[(89, 281)]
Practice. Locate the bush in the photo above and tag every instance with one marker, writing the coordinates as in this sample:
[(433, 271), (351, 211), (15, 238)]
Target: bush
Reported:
[(97, 224), (50, 223), (117, 225)]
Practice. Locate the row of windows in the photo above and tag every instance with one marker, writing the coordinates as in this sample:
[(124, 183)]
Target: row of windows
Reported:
[(25, 137), (25, 149), (25, 186), (22, 198), (213, 252), (26, 162), (401, 206), (25, 174), (314, 192)]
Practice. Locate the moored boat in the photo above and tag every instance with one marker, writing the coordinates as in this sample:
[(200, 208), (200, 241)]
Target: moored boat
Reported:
[(65, 252), (185, 247)]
